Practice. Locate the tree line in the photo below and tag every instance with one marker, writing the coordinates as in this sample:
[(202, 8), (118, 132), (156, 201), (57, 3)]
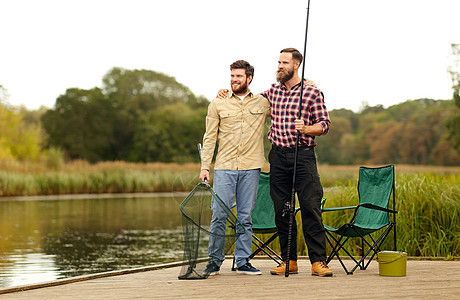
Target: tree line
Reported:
[(138, 116), (145, 116), (412, 132)]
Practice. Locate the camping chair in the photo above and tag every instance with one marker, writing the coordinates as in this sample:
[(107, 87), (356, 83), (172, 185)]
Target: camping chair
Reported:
[(263, 221), (375, 187)]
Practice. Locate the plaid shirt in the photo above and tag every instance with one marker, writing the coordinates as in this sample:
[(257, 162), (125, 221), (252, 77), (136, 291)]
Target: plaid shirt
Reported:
[(284, 106)]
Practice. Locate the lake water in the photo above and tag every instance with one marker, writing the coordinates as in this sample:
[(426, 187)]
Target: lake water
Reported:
[(42, 240)]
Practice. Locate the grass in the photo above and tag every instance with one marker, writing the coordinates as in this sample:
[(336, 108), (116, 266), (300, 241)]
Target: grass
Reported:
[(428, 197), (428, 204), (80, 177)]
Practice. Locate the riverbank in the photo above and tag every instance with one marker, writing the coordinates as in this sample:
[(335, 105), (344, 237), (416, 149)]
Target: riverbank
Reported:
[(94, 196)]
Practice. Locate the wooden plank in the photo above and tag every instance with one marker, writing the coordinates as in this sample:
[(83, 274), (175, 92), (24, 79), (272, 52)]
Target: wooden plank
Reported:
[(424, 280)]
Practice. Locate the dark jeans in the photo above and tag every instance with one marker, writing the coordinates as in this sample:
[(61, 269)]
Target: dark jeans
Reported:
[(309, 191)]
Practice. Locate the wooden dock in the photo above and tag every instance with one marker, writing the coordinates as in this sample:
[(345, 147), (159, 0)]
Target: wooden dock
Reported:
[(425, 280)]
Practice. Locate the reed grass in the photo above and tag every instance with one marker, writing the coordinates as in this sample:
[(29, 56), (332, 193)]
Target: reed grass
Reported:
[(428, 219), (428, 198), (80, 177)]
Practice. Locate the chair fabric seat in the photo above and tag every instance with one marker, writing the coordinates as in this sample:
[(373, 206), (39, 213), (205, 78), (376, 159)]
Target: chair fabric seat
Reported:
[(263, 215), (351, 230)]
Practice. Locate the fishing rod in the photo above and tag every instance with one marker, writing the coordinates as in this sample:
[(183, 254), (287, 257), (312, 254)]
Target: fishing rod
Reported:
[(292, 202)]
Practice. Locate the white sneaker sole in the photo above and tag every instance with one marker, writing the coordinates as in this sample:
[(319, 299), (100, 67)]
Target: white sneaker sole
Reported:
[(248, 273), (212, 273)]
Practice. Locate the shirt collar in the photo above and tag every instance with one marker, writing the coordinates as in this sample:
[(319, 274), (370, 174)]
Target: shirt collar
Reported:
[(231, 94), (294, 87)]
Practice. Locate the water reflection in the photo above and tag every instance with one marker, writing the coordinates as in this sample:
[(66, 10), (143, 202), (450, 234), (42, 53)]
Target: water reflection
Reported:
[(51, 239)]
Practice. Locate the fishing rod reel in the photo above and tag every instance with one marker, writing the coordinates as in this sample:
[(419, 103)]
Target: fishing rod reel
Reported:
[(287, 209)]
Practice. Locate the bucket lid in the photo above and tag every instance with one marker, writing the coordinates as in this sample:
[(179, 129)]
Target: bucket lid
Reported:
[(392, 252)]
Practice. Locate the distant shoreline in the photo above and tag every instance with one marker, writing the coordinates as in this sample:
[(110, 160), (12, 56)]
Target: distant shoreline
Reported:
[(93, 196)]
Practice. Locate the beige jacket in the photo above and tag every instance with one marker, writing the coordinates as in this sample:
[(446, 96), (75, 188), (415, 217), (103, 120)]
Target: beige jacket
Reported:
[(238, 128)]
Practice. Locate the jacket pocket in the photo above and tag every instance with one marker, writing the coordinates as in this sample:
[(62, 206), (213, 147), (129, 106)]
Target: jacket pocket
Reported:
[(227, 114), (256, 110)]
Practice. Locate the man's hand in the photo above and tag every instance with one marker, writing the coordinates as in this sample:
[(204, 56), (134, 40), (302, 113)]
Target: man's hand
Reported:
[(313, 130), (309, 82), (222, 93), (204, 175), (299, 125)]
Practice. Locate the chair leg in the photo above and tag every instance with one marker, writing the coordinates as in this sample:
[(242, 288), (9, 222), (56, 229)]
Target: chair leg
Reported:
[(263, 246), (335, 251), (394, 236), (361, 266), (374, 247), (233, 263)]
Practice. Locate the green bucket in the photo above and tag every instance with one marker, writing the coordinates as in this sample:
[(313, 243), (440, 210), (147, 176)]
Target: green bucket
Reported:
[(392, 263)]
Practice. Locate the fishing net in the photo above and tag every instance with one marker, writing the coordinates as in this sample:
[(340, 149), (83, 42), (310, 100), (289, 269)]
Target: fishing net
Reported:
[(196, 222)]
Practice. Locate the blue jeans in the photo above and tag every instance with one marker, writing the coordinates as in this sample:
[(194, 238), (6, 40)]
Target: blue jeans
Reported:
[(228, 184)]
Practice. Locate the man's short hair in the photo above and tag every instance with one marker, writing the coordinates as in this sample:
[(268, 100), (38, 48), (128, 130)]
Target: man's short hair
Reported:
[(242, 64), (295, 54)]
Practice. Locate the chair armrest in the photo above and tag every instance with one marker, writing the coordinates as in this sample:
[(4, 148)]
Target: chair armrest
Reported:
[(338, 208), (372, 206)]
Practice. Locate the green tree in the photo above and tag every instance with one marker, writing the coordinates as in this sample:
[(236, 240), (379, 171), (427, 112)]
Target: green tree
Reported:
[(453, 124), (169, 134), (81, 125), (135, 92), (383, 149), (333, 148), (17, 141), (412, 132), (138, 115)]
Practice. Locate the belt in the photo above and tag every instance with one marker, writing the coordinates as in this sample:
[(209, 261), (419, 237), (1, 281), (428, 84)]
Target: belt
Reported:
[(292, 149)]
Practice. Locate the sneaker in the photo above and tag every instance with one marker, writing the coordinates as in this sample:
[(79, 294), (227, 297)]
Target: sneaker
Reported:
[(281, 269), (211, 269), (320, 268), (248, 269)]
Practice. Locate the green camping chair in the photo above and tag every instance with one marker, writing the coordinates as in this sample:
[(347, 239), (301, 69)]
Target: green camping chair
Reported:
[(263, 221), (375, 188)]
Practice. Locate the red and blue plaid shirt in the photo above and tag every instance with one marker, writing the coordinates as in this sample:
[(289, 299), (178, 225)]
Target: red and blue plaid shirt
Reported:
[(284, 105)]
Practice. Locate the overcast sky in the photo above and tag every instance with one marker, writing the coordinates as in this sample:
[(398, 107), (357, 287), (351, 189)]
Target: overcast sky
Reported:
[(381, 52)]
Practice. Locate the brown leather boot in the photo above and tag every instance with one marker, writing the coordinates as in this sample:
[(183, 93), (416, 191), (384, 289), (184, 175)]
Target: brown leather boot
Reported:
[(320, 268), (281, 269)]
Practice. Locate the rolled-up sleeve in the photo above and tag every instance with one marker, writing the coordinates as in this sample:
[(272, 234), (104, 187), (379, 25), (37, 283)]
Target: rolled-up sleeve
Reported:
[(319, 113), (210, 136)]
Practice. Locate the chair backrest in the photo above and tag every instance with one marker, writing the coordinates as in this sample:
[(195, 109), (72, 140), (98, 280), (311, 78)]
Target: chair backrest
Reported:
[(263, 215), (375, 186)]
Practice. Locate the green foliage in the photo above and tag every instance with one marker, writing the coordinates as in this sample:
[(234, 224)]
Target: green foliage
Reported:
[(54, 158), (453, 124), (412, 132), (138, 115), (17, 140), (81, 124), (162, 134)]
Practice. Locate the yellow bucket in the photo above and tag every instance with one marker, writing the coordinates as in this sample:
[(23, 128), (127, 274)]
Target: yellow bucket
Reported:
[(392, 263)]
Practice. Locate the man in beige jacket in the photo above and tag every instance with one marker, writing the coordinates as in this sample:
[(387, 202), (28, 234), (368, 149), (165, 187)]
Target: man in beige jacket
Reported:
[(236, 124)]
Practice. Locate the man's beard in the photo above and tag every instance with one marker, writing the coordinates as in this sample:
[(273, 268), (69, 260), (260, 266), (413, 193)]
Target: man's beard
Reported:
[(242, 88), (284, 76)]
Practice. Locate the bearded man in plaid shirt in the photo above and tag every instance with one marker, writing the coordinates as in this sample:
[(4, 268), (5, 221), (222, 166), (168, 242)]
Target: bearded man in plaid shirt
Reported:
[(314, 121)]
